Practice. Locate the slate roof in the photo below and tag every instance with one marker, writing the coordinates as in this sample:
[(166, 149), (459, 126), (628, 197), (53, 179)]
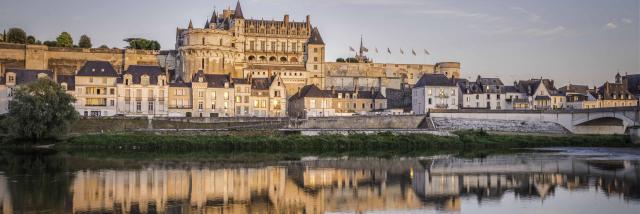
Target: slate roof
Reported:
[(261, 83), (633, 83), (69, 79), (577, 89), (511, 89), (278, 67), (137, 71), (217, 80), (97, 68), (489, 81), (313, 91), (240, 81), (609, 90), (315, 38), (530, 86), (238, 13), (26, 76), (434, 80)]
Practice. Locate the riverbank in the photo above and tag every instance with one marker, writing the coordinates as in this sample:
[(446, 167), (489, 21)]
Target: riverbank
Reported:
[(329, 143)]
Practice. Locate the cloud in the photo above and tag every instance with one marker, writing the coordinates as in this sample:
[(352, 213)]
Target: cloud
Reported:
[(460, 14), (627, 21), (544, 31), (532, 17), (611, 25)]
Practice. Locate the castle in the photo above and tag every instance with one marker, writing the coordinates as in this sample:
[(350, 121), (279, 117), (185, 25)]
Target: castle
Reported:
[(229, 43)]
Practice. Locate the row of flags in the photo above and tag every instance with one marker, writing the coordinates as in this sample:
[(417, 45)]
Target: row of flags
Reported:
[(365, 50)]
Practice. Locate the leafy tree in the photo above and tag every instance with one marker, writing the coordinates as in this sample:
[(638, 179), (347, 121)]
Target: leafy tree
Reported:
[(340, 60), (40, 110), (352, 60), (85, 42), (16, 35), (3, 38), (143, 44), (31, 40), (64, 40), (103, 46), (51, 43)]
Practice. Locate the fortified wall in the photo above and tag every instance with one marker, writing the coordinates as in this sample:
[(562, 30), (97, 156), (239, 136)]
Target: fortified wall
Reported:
[(378, 75), (68, 60)]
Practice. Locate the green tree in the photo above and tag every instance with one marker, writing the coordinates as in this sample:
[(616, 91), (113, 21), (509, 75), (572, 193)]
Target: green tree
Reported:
[(51, 43), (31, 40), (103, 46), (340, 60), (85, 42), (40, 110), (142, 44), (16, 35), (64, 40)]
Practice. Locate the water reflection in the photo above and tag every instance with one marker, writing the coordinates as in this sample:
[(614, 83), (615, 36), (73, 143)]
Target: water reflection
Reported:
[(318, 186)]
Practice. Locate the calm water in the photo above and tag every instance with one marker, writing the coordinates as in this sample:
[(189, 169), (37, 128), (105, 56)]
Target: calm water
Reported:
[(566, 181)]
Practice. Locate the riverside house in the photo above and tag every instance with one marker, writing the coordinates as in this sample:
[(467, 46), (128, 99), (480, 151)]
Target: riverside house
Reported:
[(13, 79), (434, 91)]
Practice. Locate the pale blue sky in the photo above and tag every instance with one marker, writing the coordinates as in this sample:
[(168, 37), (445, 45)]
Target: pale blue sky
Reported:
[(578, 41)]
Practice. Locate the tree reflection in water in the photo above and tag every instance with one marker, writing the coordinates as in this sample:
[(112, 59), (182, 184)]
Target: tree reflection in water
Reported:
[(37, 181)]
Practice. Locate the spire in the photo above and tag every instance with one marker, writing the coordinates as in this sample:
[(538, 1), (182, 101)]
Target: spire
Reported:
[(214, 17), (206, 24), (238, 13), (315, 38), (190, 24)]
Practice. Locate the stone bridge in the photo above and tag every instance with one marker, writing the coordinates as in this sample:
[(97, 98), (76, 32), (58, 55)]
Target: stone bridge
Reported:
[(582, 121)]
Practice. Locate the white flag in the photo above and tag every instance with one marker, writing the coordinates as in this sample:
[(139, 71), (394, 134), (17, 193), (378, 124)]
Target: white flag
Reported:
[(351, 49), (389, 50), (413, 52), (401, 51), (426, 52)]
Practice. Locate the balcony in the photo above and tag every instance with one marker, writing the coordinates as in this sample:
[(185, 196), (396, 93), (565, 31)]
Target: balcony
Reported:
[(442, 106), (180, 107), (444, 96)]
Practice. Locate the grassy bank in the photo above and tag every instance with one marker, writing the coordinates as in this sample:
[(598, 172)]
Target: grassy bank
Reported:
[(385, 142)]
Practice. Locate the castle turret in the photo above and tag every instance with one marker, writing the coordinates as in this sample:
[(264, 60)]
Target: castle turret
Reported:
[(315, 58), (238, 12)]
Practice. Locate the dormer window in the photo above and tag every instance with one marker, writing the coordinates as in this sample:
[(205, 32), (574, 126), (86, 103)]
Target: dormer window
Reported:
[(64, 86), (200, 79), (145, 80), (11, 78)]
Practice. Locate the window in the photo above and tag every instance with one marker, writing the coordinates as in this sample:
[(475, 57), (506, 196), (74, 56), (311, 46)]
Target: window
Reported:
[(11, 78), (276, 93), (226, 105), (138, 106), (429, 101), (429, 93), (315, 67), (339, 95), (238, 99), (315, 59), (252, 45), (112, 102), (312, 103), (150, 105), (201, 93), (200, 105), (226, 95), (488, 96), (284, 46), (112, 91), (273, 46)]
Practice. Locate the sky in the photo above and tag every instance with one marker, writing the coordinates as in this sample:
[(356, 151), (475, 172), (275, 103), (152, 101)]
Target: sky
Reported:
[(571, 41)]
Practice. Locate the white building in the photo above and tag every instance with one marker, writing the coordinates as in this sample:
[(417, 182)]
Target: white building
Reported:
[(434, 91), (95, 85), (14, 78), (484, 93), (143, 91)]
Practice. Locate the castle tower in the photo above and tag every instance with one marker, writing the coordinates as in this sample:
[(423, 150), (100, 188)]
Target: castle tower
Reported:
[(315, 58)]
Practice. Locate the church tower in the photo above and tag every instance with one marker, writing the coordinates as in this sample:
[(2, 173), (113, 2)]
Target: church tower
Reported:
[(315, 58)]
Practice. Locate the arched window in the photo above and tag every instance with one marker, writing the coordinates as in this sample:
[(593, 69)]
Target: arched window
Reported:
[(283, 59), (263, 58), (252, 58), (272, 59), (294, 59)]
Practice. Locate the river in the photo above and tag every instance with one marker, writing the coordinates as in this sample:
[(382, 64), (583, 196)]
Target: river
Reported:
[(559, 180)]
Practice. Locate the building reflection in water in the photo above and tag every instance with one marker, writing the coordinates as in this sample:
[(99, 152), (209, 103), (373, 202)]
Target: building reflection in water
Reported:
[(338, 186)]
